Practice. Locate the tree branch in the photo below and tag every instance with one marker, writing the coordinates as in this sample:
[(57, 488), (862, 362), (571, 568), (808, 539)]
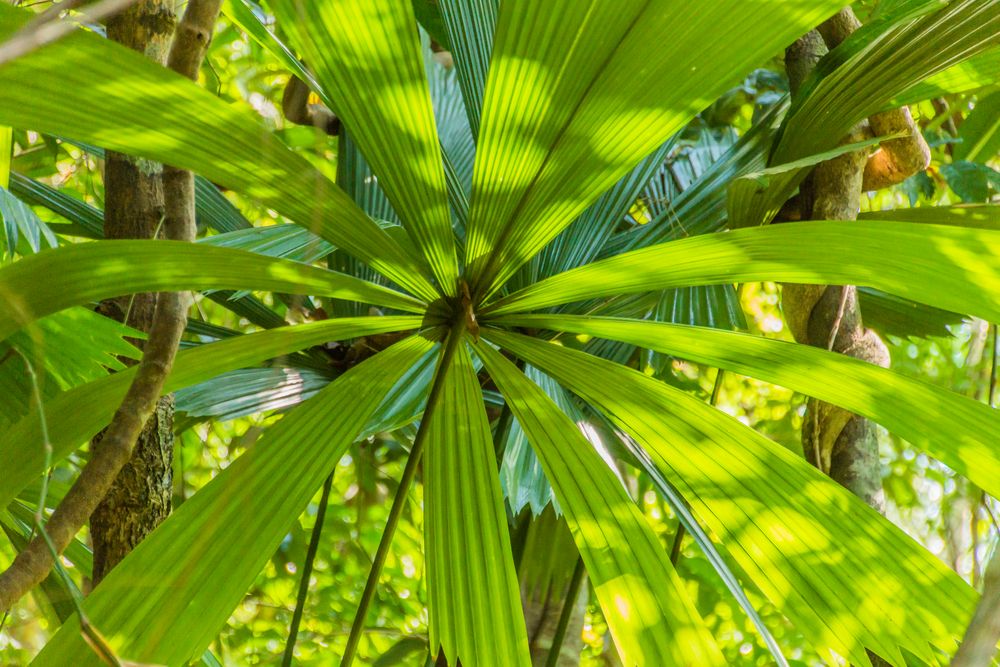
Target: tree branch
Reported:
[(47, 27), (897, 159), (295, 105), (113, 452)]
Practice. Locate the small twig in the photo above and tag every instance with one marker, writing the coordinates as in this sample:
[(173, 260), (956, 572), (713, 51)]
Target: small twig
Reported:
[(835, 327), (47, 27), (307, 567), (675, 548), (412, 463), (36, 393), (992, 396)]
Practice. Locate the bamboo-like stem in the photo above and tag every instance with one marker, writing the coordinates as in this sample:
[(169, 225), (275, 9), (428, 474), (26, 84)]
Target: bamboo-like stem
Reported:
[(409, 473)]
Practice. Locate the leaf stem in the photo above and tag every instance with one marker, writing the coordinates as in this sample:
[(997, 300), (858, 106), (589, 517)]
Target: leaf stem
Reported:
[(307, 568), (412, 463), (992, 397), (675, 549), (567, 611)]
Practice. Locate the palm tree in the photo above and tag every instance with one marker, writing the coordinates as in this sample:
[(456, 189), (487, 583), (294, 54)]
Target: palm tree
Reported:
[(477, 231)]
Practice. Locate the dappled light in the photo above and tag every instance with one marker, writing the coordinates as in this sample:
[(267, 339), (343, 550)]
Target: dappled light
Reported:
[(890, 256), (959, 431), (736, 480), (499, 333), (165, 265), (636, 99), (131, 88), (637, 587), (367, 58)]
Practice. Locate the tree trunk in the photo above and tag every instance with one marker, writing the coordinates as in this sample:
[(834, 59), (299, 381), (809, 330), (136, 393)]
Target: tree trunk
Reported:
[(979, 645), (134, 209), (841, 444), (838, 442)]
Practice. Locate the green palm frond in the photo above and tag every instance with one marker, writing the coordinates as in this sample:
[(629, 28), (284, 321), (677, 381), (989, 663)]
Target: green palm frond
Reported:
[(215, 558), (517, 176), (228, 145)]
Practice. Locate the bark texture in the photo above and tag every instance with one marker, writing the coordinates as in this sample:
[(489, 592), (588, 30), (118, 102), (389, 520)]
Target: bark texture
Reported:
[(297, 109), (838, 442), (134, 208), (169, 319)]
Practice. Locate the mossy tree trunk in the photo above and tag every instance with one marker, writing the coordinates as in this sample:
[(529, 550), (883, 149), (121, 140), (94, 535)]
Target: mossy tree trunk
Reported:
[(134, 209), (842, 444)]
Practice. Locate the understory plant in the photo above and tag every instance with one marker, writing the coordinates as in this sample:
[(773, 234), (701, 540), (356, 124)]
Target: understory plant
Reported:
[(504, 237)]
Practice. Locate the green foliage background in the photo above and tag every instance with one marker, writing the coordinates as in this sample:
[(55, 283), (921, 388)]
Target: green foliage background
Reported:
[(943, 511)]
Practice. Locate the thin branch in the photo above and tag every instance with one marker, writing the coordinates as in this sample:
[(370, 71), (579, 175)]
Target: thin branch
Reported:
[(992, 396), (93, 638), (307, 567), (412, 463), (845, 293), (675, 548), (896, 159), (47, 27), (33, 564), (295, 105)]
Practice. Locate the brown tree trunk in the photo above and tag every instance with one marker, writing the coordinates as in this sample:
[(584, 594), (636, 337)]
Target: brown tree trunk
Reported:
[(839, 443), (134, 209)]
